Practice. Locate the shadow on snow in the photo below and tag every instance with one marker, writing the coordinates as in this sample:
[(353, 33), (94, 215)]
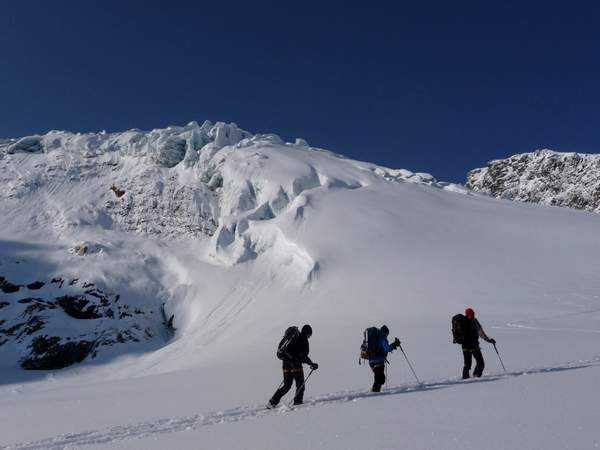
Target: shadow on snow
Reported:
[(23, 262)]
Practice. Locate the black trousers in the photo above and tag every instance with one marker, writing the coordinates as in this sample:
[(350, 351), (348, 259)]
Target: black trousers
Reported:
[(379, 376), (289, 376), (468, 355)]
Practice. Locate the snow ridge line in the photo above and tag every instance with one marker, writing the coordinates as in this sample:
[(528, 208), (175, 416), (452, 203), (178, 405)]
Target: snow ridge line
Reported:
[(174, 425)]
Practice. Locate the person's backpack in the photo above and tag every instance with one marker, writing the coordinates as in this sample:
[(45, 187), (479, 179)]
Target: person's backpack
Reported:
[(370, 344), (287, 342), (460, 328)]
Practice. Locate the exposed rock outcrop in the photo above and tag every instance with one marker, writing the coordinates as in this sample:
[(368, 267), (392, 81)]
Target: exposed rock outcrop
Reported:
[(54, 331), (547, 177)]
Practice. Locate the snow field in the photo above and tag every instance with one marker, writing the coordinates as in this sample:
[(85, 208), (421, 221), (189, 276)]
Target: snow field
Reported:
[(284, 234)]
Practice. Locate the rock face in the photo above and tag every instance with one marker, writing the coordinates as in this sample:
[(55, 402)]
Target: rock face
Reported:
[(49, 354), (547, 177), (66, 321)]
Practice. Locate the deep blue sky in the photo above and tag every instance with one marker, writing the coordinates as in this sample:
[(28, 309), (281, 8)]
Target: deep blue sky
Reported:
[(440, 87)]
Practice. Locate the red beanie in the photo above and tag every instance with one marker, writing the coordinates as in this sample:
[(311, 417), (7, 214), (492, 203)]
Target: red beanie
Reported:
[(469, 313)]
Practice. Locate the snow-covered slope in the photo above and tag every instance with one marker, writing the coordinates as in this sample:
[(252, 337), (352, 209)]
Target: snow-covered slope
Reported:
[(216, 184), (175, 182), (298, 235), (551, 178)]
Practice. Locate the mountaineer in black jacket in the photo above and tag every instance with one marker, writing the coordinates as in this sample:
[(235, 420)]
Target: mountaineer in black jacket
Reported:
[(470, 345), (296, 354)]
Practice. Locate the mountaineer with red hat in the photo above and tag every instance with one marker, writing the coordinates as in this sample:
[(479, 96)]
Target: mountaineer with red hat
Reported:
[(466, 330)]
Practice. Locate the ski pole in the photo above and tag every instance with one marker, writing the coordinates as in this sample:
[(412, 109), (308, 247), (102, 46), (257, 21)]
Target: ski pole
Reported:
[(280, 385), (503, 368), (387, 380), (302, 385), (409, 364)]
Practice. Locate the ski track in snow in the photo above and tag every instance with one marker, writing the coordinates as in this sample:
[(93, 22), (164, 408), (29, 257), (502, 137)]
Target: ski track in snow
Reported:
[(174, 425), (529, 327), (524, 324)]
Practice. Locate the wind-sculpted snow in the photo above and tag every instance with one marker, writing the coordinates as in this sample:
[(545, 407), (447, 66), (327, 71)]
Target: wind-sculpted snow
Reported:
[(550, 178), (192, 181), (241, 195)]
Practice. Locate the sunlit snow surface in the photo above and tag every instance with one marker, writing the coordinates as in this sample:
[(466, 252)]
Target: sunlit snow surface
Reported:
[(241, 235)]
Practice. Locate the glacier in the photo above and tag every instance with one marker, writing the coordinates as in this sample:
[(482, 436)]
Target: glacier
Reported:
[(223, 238)]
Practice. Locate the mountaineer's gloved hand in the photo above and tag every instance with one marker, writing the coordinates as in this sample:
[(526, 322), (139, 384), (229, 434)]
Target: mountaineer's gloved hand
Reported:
[(396, 343), (493, 341), (314, 366)]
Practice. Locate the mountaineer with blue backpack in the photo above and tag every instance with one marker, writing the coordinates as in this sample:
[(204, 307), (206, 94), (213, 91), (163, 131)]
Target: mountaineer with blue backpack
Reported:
[(375, 348)]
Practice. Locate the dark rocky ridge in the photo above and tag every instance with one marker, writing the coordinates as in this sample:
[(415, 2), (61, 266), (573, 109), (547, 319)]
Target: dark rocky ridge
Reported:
[(546, 177), (50, 354)]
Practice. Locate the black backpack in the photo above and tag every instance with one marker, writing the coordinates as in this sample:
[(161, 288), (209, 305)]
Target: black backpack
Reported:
[(370, 344), (287, 343), (460, 328)]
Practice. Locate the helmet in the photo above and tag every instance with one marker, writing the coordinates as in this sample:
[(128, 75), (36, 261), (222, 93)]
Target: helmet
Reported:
[(385, 330), (469, 313), (307, 330)]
